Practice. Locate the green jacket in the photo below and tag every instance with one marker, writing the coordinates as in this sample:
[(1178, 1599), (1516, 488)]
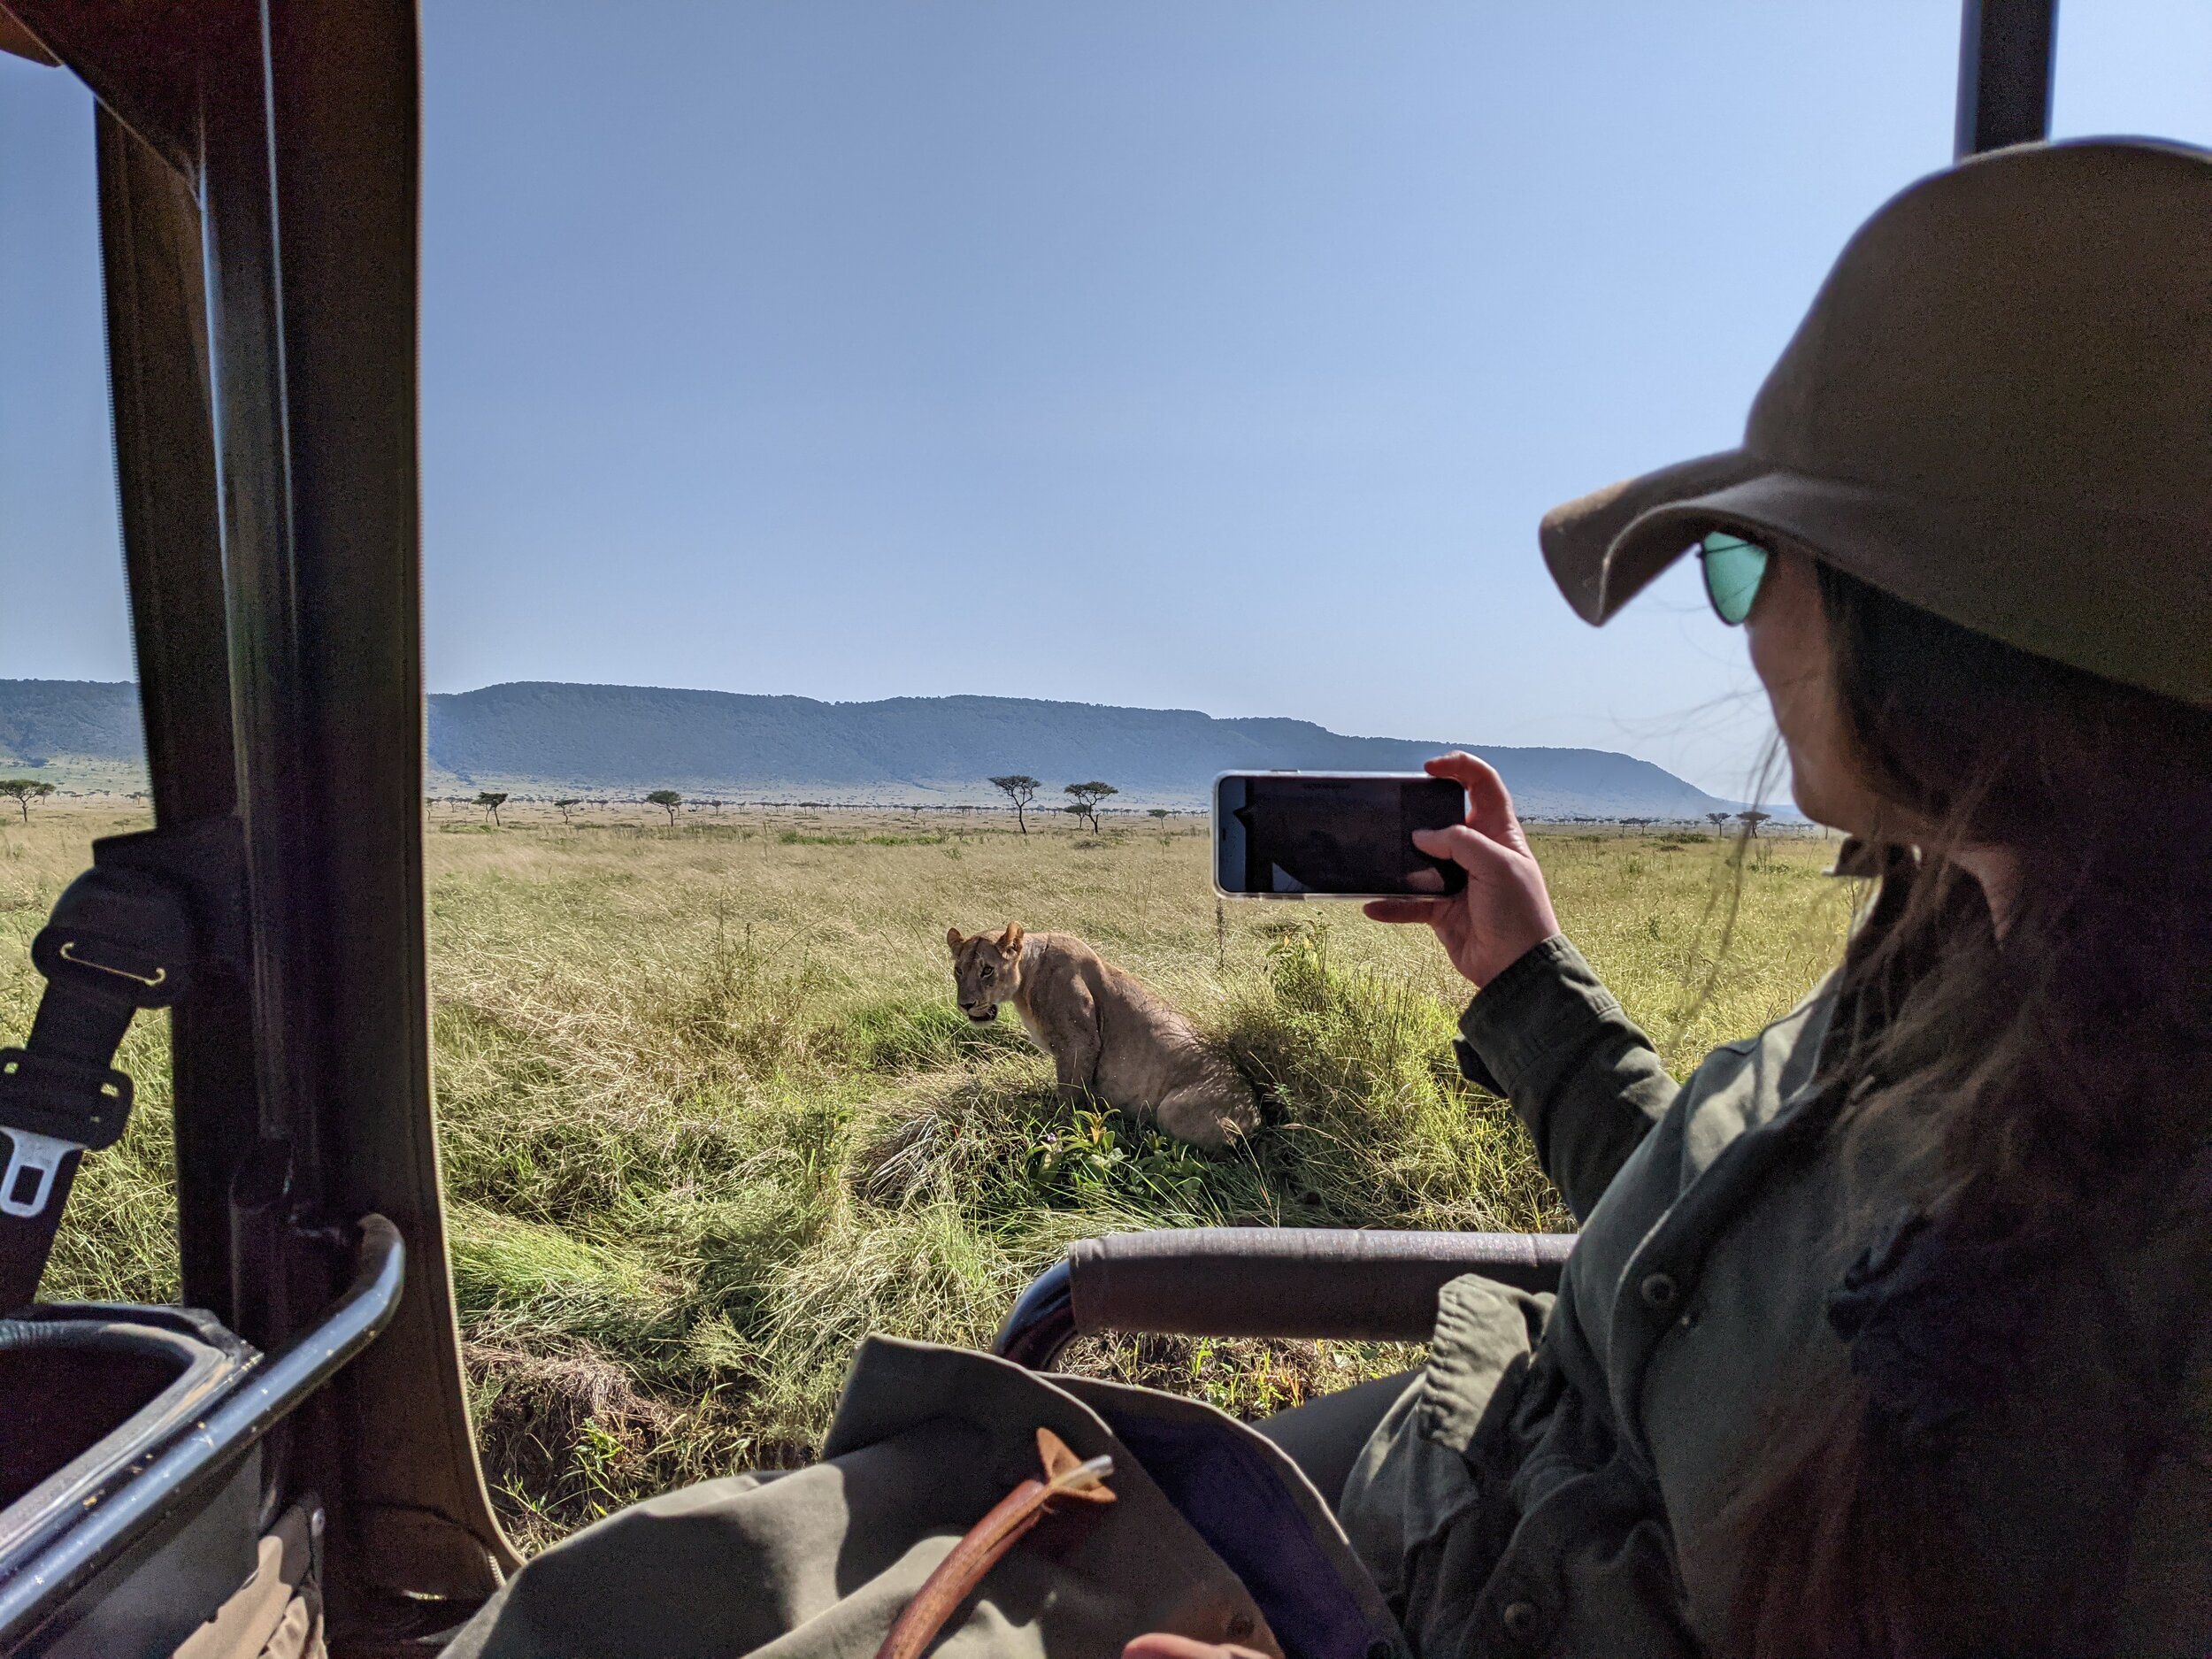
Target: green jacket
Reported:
[(1558, 1479)]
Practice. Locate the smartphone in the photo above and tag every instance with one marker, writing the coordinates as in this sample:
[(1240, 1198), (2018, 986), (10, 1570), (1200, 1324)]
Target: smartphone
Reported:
[(1333, 834)]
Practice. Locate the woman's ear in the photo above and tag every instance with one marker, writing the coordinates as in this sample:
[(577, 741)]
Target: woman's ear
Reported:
[(1011, 941)]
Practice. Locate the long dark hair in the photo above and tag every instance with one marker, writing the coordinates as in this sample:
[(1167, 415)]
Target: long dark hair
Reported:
[(2042, 1084)]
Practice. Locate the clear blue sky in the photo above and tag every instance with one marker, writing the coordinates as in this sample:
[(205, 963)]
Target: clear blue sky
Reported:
[(1215, 354)]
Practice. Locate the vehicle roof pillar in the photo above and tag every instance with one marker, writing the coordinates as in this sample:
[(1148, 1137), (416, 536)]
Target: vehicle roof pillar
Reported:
[(2005, 56)]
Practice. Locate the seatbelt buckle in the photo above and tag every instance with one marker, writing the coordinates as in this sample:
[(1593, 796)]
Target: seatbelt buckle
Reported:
[(49, 1109), (34, 1160)]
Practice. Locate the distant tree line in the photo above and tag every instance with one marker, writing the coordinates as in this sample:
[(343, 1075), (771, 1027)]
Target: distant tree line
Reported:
[(1085, 802), (489, 801)]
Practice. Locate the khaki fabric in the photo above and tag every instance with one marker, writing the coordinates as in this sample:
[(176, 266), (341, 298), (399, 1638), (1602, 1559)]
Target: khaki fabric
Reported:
[(1570, 1493), (277, 1613), (819, 1562)]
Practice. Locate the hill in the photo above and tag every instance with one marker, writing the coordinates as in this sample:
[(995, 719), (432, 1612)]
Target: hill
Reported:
[(41, 719), (542, 738)]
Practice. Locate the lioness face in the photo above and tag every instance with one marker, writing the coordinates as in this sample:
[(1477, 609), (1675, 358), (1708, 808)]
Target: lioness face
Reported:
[(985, 969)]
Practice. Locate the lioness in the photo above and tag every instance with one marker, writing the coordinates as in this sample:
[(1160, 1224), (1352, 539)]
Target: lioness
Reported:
[(1107, 1031)]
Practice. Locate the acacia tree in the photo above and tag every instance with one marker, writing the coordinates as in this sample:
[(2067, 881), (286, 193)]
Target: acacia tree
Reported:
[(1751, 822), (562, 807), (668, 801), (1021, 789), (1084, 799), (1718, 820), (23, 791), (491, 803)]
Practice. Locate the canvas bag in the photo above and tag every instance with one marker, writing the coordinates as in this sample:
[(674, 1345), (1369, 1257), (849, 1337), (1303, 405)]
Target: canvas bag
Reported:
[(1216, 1535)]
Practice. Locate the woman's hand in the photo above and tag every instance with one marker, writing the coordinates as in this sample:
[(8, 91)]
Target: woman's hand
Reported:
[(1504, 910), (1162, 1645)]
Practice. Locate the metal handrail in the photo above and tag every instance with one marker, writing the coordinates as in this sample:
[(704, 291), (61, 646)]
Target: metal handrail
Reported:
[(1043, 1322), (270, 1392), (1371, 1285)]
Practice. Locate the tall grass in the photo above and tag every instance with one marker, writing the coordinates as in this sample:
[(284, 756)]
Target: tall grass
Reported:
[(709, 1114)]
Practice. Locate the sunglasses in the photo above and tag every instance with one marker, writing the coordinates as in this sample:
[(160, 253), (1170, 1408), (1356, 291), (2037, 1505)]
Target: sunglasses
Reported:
[(1734, 569)]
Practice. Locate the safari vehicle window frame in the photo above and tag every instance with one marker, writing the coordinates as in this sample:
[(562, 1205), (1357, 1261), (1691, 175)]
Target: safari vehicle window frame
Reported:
[(259, 167), (259, 197)]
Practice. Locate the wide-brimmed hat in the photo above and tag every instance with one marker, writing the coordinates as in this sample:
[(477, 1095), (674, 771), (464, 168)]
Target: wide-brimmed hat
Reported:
[(1999, 409)]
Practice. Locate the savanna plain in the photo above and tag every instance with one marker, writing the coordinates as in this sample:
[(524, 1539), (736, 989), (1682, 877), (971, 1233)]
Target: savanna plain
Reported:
[(709, 1114)]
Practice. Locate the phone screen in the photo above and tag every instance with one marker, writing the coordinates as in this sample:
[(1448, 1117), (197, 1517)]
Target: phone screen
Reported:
[(1333, 834)]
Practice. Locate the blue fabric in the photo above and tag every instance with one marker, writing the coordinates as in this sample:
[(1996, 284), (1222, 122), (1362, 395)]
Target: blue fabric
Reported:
[(1934, 1317), (1239, 1505)]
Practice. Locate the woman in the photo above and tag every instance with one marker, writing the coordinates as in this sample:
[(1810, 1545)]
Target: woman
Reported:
[(1890, 1331)]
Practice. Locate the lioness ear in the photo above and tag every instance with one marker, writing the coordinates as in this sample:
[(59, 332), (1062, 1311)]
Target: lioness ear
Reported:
[(952, 938), (1011, 941)]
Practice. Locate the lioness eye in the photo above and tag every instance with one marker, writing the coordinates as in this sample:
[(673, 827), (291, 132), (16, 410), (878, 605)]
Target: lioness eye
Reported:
[(988, 972)]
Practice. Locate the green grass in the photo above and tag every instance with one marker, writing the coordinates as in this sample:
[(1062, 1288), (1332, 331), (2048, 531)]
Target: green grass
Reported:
[(709, 1115)]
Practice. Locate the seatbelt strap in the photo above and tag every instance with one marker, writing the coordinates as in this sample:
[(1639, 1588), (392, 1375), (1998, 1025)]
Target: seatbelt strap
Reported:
[(119, 940)]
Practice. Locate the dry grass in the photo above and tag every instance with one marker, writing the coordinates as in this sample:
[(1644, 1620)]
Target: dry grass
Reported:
[(709, 1113)]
